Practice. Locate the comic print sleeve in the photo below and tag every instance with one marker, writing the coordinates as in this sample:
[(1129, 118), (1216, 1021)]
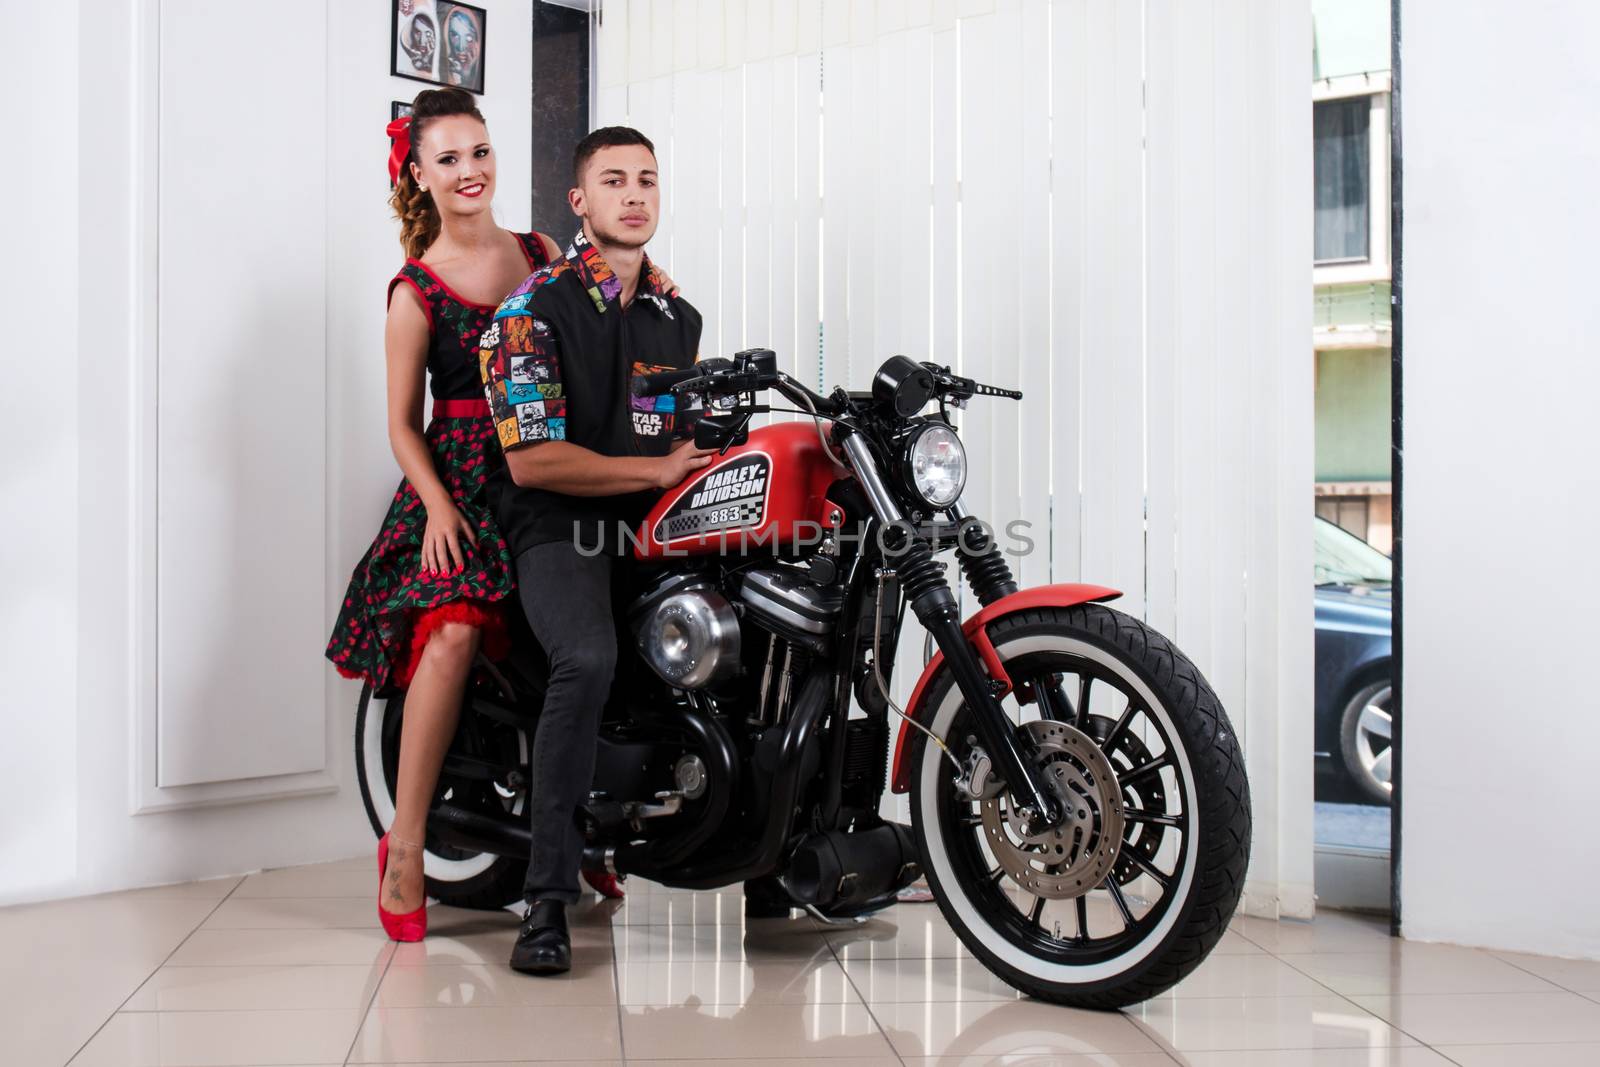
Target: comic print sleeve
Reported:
[(521, 368)]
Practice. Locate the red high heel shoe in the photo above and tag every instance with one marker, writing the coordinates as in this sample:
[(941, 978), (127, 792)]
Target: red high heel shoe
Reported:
[(413, 925), (605, 883)]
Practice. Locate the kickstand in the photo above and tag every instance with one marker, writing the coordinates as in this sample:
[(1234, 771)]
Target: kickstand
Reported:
[(834, 920)]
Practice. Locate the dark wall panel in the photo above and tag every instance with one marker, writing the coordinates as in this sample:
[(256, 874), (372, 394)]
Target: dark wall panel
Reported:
[(560, 112)]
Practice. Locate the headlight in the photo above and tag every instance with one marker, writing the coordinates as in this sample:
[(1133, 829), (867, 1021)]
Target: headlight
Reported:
[(936, 464)]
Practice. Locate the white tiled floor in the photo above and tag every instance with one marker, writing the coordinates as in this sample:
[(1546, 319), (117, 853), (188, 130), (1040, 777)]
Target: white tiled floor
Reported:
[(289, 967)]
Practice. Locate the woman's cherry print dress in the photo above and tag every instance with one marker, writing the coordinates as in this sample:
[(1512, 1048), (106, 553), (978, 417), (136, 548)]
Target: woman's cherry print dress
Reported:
[(391, 607)]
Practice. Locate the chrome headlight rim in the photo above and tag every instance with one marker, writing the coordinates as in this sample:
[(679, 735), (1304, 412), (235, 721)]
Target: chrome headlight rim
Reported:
[(909, 464)]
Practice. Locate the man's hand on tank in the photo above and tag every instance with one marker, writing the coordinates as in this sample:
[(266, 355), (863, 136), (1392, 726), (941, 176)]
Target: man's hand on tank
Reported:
[(684, 457)]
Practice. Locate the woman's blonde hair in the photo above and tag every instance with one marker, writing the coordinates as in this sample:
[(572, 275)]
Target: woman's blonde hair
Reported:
[(418, 215)]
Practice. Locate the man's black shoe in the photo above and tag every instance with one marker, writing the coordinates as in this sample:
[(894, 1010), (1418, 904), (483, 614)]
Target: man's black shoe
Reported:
[(543, 945), (765, 898)]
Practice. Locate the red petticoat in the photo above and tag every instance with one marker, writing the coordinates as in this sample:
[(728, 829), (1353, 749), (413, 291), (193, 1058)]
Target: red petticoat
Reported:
[(486, 617)]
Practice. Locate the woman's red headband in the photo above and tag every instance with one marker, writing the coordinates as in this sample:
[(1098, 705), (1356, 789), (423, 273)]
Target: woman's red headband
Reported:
[(399, 146)]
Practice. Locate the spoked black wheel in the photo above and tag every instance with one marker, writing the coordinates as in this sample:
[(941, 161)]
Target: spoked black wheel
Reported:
[(1129, 894), (454, 876)]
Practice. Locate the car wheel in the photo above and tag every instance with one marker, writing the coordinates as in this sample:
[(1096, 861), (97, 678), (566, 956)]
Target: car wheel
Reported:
[(1365, 730)]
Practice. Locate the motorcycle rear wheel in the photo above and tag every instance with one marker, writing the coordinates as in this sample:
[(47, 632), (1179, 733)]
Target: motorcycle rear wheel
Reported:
[(1162, 854), (478, 880)]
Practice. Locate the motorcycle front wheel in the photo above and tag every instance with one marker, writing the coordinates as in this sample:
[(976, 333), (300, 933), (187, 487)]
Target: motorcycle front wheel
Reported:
[(1128, 896), (453, 876)]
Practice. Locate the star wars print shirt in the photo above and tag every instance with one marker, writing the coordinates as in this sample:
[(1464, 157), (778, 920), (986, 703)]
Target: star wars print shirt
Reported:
[(557, 362)]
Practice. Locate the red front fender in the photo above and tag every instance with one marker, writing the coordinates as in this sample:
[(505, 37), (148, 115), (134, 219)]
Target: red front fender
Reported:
[(977, 630)]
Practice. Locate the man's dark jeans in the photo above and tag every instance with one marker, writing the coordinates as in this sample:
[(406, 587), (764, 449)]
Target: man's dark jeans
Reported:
[(568, 600)]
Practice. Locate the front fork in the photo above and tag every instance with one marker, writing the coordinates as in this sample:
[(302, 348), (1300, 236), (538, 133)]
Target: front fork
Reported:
[(922, 579)]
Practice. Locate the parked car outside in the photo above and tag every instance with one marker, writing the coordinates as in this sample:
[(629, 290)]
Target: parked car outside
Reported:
[(1354, 681)]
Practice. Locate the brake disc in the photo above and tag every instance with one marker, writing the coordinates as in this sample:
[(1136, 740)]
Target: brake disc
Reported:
[(1075, 857)]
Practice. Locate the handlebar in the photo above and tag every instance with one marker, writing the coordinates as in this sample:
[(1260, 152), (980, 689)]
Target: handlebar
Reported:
[(756, 369), (956, 385), (746, 372), (667, 381)]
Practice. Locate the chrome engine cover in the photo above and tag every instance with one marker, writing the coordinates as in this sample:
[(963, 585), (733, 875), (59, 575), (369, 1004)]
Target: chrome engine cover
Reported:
[(791, 605), (687, 633)]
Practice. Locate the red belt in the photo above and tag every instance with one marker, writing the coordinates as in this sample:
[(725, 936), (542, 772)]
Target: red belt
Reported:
[(461, 409)]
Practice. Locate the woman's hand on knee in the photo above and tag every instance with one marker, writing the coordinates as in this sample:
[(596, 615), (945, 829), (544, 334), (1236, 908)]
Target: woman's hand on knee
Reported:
[(443, 551)]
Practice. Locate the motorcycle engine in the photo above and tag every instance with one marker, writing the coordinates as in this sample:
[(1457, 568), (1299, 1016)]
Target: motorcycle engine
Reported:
[(791, 606), (686, 631)]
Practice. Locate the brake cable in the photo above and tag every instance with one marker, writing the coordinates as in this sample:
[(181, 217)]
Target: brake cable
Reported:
[(827, 449), (883, 687)]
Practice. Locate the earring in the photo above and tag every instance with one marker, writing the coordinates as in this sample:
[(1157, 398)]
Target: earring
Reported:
[(423, 188)]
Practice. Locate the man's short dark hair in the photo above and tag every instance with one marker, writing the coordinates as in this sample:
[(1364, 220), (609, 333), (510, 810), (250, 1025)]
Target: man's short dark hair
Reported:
[(605, 137)]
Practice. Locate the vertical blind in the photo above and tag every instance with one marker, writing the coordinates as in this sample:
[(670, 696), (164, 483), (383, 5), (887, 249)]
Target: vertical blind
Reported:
[(1104, 203)]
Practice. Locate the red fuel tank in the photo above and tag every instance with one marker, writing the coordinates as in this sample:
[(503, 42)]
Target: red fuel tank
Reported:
[(770, 491)]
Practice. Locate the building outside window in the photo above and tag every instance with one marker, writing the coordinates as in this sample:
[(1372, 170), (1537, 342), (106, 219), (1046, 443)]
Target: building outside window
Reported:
[(1352, 322), (1351, 347), (1341, 131), (1352, 513)]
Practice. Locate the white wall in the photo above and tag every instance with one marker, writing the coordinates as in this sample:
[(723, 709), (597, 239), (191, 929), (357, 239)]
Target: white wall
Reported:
[(38, 477), (1502, 724), (1104, 202), (82, 702)]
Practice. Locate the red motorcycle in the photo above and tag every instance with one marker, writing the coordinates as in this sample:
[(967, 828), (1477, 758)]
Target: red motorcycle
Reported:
[(1078, 798)]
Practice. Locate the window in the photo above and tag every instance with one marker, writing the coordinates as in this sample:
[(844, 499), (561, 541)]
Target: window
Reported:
[(1343, 178), (1347, 512)]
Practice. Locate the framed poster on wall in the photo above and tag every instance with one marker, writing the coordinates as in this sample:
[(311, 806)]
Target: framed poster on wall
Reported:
[(438, 41)]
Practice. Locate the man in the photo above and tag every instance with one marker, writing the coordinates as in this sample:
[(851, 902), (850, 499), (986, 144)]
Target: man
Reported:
[(585, 458)]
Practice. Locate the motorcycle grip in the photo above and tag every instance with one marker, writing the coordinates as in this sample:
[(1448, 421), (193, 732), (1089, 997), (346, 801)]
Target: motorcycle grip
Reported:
[(664, 381)]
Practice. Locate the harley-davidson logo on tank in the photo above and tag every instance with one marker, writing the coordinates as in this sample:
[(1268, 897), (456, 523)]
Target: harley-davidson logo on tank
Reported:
[(729, 497)]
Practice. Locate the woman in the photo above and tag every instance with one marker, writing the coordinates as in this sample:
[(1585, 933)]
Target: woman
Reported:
[(435, 582)]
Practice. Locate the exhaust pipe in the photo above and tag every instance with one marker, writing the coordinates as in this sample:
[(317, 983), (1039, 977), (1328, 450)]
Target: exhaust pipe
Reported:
[(840, 872), (761, 856), (510, 835), (475, 832)]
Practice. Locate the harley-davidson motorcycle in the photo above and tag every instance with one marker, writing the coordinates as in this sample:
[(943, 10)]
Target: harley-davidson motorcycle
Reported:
[(1078, 798)]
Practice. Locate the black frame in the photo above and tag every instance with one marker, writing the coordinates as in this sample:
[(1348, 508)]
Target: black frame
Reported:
[(394, 48), (1397, 460)]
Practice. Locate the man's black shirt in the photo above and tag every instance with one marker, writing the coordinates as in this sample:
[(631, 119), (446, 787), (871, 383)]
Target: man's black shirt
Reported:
[(557, 362)]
